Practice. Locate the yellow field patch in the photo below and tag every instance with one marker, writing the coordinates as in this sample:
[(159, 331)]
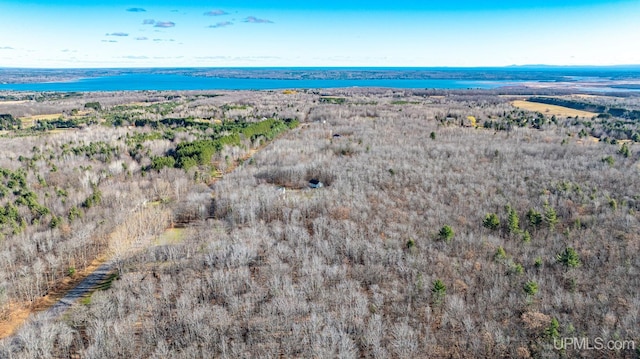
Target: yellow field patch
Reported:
[(61, 130), (13, 102), (588, 139), (143, 104), (81, 113), (53, 116), (29, 121), (551, 110), (171, 236)]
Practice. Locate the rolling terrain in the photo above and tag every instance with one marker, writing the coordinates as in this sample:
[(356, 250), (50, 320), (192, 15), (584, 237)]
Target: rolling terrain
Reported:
[(450, 224)]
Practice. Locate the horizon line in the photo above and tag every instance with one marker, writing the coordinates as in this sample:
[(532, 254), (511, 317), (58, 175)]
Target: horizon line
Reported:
[(322, 67)]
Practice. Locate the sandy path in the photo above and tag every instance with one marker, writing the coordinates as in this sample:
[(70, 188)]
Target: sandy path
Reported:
[(86, 287)]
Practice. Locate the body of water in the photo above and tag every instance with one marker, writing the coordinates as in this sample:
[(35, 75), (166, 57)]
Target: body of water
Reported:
[(138, 82)]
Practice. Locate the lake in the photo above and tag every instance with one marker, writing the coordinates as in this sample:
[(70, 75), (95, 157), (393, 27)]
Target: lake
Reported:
[(147, 81)]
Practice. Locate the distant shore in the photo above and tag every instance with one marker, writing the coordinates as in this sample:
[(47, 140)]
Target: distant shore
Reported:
[(595, 79)]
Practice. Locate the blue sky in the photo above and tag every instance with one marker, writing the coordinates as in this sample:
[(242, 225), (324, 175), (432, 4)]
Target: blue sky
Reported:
[(81, 33)]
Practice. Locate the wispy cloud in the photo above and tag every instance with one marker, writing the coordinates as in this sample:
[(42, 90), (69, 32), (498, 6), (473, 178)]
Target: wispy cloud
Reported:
[(6, 48), (136, 9), (135, 57), (148, 22), (165, 24), (255, 20), (109, 41), (221, 24), (118, 34), (212, 57), (216, 12), (142, 38), (255, 58), (168, 40)]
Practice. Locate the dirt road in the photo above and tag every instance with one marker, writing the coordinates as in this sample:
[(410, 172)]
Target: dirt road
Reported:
[(86, 287)]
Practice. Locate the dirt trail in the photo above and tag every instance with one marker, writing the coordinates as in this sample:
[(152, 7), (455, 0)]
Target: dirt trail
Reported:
[(100, 275), (88, 285)]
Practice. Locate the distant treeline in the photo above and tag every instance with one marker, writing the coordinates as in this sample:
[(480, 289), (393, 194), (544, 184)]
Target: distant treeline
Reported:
[(586, 106), (184, 123), (46, 125), (8, 122)]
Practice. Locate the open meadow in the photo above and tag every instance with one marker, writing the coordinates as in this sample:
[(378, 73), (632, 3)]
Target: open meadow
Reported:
[(551, 110), (448, 224)]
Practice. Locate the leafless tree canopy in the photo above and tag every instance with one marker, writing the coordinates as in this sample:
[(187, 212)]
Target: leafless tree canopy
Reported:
[(393, 257)]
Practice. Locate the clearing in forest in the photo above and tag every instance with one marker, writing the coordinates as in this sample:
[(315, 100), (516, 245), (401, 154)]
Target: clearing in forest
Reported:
[(551, 110), (30, 120)]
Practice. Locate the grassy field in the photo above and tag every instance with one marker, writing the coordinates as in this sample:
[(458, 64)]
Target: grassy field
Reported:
[(551, 110), (29, 121), (171, 236), (13, 102)]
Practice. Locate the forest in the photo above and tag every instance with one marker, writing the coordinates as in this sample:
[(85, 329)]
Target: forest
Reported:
[(450, 224)]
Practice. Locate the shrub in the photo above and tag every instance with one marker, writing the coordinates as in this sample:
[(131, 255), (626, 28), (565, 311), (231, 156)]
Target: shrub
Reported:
[(550, 216), (491, 221), (74, 213), (446, 233), (569, 258), (624, 150), (538, 263), (608, 160), (583, 133), (534, 217), (552, 331), (159, 163), (55, 222), (530, 287), (513, 221), (8, 122), (516, 268), (93, 200), (500, 254), (439, 290), (93, 105), (411, 243)]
